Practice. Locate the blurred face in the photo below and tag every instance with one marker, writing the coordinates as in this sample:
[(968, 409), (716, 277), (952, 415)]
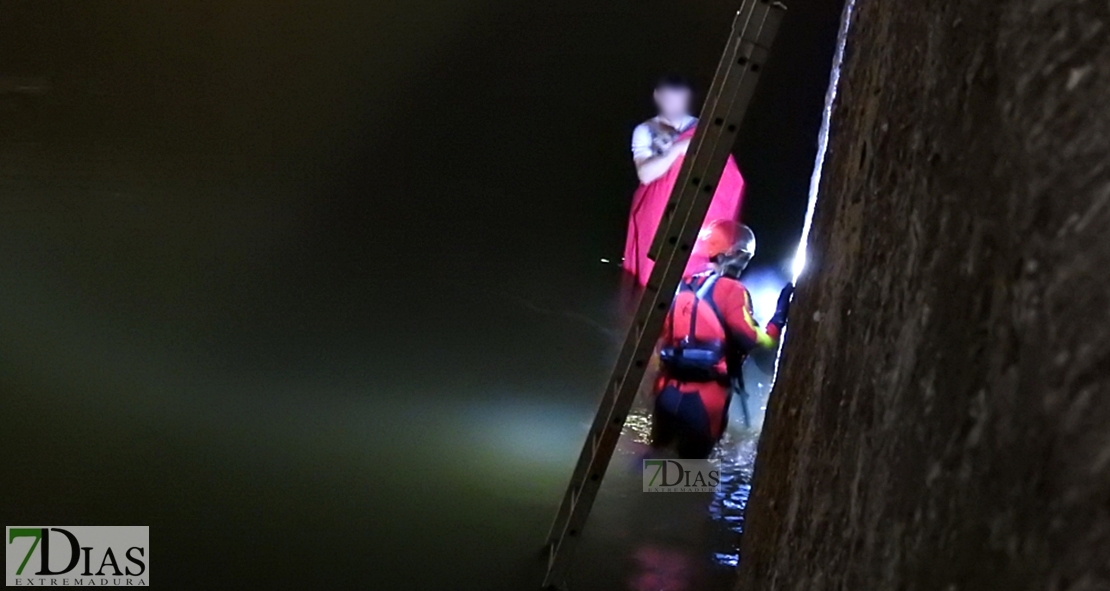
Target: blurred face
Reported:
[(672, 102)]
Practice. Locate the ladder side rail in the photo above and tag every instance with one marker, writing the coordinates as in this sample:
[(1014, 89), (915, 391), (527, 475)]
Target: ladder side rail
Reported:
[(737, 74)]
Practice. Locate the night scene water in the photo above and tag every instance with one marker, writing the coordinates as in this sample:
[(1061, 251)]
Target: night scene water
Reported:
[(316, 292)]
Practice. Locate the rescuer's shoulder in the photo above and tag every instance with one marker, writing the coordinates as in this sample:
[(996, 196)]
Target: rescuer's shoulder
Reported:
[(726, 285), (731, 282)]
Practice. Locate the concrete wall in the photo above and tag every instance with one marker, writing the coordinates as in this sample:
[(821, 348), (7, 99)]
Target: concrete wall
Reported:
[(942, 416)]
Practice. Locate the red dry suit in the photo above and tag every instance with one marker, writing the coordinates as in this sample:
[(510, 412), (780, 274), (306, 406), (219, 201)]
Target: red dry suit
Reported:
[(649, 201), (711, 317)]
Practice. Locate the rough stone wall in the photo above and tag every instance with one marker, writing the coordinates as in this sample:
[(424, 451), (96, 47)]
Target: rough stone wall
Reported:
[(942, 415)]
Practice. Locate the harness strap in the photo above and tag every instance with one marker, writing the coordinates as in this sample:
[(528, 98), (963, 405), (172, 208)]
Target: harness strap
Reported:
[(700, 295)]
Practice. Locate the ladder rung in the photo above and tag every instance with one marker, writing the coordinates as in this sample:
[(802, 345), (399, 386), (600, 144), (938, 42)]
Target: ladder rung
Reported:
[(755, 27)]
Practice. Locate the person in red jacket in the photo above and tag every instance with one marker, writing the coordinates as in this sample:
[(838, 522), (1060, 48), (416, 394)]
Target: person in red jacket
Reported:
[(659, 147), (707, 335)]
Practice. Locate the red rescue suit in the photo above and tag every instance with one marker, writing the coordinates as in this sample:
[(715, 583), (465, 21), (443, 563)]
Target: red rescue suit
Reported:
[(710, 323), (650, 201)]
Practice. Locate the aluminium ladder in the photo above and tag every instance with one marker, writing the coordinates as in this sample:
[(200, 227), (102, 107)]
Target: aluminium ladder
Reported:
[(753, 32)]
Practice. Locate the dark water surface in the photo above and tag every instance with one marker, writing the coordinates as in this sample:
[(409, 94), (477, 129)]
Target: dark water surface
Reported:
[(352, 433), (313, 289)]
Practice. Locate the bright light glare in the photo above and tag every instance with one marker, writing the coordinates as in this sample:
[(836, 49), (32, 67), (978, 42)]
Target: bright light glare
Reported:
[(800, 259), (823, 140), (764, 285)]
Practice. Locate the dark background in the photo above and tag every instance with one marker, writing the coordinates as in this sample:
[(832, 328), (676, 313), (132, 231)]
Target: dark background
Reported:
[(237, 237), (516, 116)]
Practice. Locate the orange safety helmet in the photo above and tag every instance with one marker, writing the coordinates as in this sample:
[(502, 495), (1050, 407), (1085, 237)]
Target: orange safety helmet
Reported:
[(725, 237), (728, 244)]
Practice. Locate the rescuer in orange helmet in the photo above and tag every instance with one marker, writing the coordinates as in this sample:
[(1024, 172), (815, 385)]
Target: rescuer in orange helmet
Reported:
[(707, 335)]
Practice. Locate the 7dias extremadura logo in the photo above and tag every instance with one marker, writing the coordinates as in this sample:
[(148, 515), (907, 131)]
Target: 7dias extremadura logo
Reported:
[(682, 475), (79, 556)]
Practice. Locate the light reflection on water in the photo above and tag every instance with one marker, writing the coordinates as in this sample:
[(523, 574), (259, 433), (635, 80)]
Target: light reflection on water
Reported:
[(658, 542), (470, 457), (737, 455), (637, 427)]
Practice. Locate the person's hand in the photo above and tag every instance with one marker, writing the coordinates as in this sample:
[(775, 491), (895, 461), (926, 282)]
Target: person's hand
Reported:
[(784, 297), (782, 309), (680, 146)]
